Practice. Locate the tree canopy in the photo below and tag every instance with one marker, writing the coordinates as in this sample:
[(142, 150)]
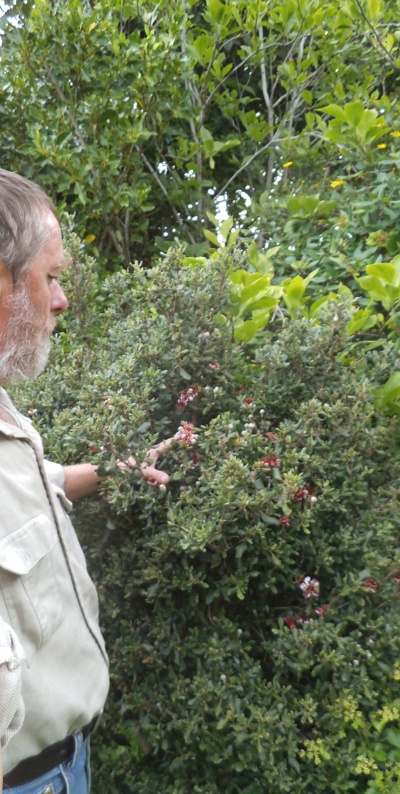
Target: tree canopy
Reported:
[(141, 117)]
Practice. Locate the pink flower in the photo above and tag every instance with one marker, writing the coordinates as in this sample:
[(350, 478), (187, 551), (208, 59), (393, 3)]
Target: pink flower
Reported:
[(187, 396), (371, 584), (270, 460), (214, 365), (247, 402), (302, 619), (322, 610), (397, 577), (185, 434), (289, 621), (310, 587), (284, 521), (271, 436), (304, 493), (293, 621)]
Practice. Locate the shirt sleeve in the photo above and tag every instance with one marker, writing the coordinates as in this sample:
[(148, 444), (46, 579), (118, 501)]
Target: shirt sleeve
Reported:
[(55, 473), (12, 709)]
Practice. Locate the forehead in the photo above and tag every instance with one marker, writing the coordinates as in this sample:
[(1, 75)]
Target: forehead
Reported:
[(51, 255)]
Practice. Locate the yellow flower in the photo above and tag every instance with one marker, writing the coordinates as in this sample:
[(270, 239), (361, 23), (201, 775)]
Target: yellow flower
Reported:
[(289, 163), (338, 182), (395, 134), (381, 146)]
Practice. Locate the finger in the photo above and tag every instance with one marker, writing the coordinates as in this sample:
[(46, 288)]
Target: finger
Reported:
[(128, 464), (154, 476), (160, 485), (152, 455), (161, 447)]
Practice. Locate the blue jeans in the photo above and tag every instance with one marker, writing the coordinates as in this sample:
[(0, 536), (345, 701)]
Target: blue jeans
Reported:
[(72, 777)]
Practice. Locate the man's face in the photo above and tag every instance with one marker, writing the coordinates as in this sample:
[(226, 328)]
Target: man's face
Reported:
[(28, 311)]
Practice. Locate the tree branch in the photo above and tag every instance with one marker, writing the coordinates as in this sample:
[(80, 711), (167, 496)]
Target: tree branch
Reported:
[(264, 81), (163, 189), (64, 100), (378, 38), (268, 145)]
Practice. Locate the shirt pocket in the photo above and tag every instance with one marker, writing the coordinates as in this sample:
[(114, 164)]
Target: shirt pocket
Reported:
[(28, 581)]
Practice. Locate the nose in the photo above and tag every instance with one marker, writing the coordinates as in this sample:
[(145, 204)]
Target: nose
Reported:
[(58, 300)]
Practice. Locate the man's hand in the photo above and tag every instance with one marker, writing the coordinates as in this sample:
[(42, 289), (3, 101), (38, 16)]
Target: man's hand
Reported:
[(148, 468), (82, 479)]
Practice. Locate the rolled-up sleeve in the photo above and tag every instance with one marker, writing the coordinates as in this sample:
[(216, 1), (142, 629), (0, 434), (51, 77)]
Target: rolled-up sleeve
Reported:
[(55, 473)]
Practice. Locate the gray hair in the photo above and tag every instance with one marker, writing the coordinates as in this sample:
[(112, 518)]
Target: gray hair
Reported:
[(23, 231)]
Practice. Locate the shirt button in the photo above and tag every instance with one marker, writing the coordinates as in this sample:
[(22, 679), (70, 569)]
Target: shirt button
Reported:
[(49, 790)]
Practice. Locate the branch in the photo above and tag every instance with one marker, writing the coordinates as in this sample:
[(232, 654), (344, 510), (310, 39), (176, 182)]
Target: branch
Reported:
[(378, 38), (236, 69), (163, 189), (64, 100), (268, 145), (196, 102), (264, 82), (111, 233), (288, 57), (311, 78)]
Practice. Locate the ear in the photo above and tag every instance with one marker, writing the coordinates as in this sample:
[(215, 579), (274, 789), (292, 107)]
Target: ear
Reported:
[(6, 282)]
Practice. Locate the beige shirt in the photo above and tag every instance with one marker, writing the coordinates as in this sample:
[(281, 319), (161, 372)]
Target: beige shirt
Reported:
[(11, 703), (46, 594)]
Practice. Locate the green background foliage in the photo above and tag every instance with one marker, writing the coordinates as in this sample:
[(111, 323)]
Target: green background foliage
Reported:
[(142, 117), (224, 676), (264, 138)]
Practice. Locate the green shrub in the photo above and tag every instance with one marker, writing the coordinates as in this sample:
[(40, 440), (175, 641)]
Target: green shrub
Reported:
[(251, 609)]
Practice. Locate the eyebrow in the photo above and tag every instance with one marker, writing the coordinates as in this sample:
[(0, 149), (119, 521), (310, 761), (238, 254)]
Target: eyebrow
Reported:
[(67, 260), (64, 263)]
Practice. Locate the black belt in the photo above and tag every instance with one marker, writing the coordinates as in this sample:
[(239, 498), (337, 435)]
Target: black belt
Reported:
[(37, 765)]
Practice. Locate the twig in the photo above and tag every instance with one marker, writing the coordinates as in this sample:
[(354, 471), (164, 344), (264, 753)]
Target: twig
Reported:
[(270, 143), (378, 38), (264, 82), (163, 189)]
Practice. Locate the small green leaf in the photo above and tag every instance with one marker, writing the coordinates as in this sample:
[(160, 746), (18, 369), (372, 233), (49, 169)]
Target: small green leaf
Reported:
[(393, 735), (374, 9), (144, 427), (335, 110), (212, 238), (225, 227), (307, 96), (384, 271), (216, 9), (245, 331)]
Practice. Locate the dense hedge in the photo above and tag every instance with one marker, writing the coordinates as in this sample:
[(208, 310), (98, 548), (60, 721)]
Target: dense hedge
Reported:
[(251, 609)]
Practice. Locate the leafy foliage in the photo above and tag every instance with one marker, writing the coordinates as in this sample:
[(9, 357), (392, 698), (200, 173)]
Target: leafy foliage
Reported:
[(251, 608), (143, 117)]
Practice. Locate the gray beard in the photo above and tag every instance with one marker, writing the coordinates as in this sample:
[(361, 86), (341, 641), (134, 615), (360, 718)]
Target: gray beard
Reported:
[(25, 348)]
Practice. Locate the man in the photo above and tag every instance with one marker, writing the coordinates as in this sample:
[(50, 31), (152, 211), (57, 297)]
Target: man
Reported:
[(46, 595)]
